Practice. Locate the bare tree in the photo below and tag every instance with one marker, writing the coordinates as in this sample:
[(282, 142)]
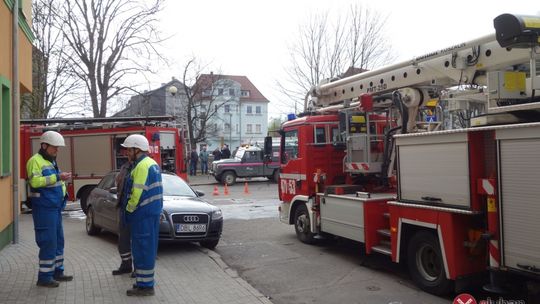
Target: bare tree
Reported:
[(274, 125), (366, 45), (52, 83), (110, 40), (325, 50), (203, 100)]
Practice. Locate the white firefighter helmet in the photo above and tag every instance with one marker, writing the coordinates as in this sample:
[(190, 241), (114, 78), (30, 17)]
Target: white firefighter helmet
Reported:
[(136, 141), (52, 138)]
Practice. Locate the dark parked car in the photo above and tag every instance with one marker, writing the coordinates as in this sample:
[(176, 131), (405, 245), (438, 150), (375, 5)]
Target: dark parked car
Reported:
[(247, 162), (185, 217)]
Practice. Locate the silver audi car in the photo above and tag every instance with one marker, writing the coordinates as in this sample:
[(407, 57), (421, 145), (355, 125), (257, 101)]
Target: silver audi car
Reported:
[(186, 217)]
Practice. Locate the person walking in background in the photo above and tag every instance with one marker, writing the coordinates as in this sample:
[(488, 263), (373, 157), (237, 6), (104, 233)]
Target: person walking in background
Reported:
[(225, 152), (143, 203), (203, 158), (124, 235), (217, 154), (48, 196), (193, 160)]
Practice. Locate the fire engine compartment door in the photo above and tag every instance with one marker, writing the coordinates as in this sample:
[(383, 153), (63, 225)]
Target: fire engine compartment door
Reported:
[(434, 169), (92, 155), (519, 172), (343, 216)]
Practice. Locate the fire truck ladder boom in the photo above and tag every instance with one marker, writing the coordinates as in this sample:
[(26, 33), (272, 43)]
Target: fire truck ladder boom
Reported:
[(459, 65)]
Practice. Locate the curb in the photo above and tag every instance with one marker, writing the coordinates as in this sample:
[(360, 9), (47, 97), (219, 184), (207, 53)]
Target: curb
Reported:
[(234, 275)]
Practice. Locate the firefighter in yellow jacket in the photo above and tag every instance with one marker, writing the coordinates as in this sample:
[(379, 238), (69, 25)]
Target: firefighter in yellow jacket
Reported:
[(48, 197), (143, 204)]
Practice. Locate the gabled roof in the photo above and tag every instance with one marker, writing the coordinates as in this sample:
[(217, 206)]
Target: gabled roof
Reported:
[(245, 85), (164, 86), (353, 71)]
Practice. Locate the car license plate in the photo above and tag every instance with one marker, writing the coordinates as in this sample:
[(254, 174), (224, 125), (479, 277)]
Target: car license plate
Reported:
[(182, 228)]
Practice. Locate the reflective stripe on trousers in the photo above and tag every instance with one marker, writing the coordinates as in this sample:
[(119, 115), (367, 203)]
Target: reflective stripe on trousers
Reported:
[(50, 240), (144, 243)]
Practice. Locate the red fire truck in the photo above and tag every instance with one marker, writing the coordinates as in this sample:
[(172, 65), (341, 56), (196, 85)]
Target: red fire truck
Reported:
[(93, 147), (377, 158)]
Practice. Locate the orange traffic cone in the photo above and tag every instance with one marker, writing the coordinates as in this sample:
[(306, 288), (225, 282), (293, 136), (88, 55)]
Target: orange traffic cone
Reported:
[(226, 190), (246, 189), (216, 191)]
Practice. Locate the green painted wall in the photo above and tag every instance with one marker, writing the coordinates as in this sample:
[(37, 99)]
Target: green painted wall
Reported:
[(6, 236)]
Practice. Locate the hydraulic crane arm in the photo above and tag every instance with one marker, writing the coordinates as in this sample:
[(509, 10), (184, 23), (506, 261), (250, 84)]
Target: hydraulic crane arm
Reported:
[(463, 64)]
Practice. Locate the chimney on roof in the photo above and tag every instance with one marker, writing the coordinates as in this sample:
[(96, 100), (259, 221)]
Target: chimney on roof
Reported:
[(162, 84), (173, 78), (211, 73)]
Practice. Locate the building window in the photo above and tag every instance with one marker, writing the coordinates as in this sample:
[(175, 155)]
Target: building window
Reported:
[(236, 128), (207, 92), (231, 92), (244, 93), (227, 108), (227, 127), (249, 128), (258, 110), (5, 127), (249, 110), (220, 92), (258, 128)]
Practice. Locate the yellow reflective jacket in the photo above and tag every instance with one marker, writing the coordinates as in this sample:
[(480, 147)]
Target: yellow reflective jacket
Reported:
[(46, 188)]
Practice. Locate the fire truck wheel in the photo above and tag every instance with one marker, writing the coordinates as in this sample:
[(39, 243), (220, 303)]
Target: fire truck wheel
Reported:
[(228, 178), (426, 264), (302, 225), (91, 228)]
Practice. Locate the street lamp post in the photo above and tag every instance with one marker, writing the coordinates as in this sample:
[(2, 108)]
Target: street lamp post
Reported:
[(173, 90), (239, 123), (230, 129)]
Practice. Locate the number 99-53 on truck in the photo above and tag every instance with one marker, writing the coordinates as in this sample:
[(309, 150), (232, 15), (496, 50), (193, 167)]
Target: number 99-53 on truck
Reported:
[(247, 162)]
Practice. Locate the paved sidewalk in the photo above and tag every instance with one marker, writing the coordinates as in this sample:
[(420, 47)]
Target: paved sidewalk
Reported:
[(185, 273)]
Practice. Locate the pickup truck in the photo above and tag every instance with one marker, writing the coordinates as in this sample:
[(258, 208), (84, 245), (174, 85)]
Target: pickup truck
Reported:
[(247, 162)]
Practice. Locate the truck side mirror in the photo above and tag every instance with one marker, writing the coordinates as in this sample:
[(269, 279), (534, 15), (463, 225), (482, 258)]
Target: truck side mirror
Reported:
[(267, 154), (267, 146)]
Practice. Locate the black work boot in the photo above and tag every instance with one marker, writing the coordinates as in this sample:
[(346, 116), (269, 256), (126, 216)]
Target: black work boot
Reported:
[(63, 278), (49, 284), (125, 267), (141, 291)]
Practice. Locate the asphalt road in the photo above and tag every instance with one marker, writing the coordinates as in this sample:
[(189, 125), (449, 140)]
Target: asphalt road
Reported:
[(268, 255)]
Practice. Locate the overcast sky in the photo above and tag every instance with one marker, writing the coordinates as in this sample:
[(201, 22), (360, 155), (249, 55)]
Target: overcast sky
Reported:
[(250, 37)]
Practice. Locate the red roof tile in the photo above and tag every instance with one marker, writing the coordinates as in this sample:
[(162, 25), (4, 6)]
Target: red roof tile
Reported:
[(245, 84)]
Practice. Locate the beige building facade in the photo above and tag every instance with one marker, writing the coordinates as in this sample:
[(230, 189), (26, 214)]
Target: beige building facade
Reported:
[(25, 38)]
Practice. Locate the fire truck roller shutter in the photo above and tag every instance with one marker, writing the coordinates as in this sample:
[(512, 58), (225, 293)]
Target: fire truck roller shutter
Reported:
[(520, 211), (434, 169), (92, 155)]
